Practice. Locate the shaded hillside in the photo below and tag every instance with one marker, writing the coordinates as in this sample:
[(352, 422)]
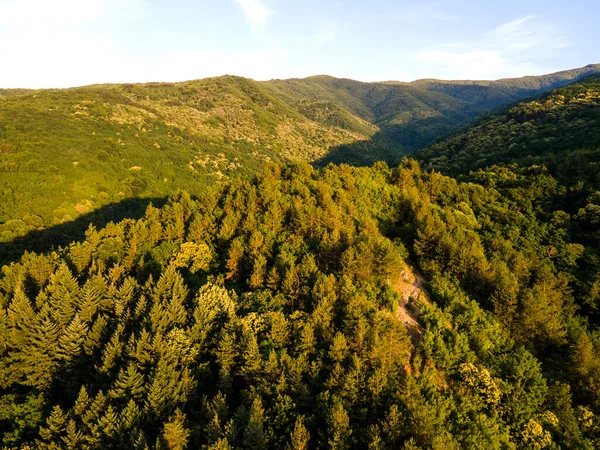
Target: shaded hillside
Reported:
[(560, 130), (408, 117), (505, 90), (412, 115), (553, 144)]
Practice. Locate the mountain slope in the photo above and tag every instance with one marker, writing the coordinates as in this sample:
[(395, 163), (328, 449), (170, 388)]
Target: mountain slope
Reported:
[(552, 144), (412, 115), (505, 90), (66, 152), (560, 129)]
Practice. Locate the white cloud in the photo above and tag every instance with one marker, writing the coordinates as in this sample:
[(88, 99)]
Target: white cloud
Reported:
[(507, 51), (476, 64), (256, 13)]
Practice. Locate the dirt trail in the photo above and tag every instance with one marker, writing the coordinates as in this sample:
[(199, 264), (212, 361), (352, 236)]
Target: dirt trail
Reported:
[(410, 286)]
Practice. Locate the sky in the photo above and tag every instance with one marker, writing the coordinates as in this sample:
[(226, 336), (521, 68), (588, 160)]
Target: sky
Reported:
[(63, 43)]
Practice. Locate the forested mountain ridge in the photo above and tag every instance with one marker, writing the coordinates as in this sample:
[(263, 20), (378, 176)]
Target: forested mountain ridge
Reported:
[(560, 129), (514, 88), (412, 115), (64, 153)]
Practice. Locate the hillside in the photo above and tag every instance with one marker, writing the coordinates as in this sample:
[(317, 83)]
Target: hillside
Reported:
[(412, 115), (560, 130), (268, 314), (66, 153), (508, 89), (554, 141)]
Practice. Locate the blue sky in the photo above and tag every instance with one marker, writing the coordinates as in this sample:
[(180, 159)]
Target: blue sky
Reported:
[(60, 43)]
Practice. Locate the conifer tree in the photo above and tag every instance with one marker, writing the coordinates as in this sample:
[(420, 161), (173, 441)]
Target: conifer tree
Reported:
[(339, 430), (129, 385), (175, 434), (300, 437), (55, 426), (254, 437)]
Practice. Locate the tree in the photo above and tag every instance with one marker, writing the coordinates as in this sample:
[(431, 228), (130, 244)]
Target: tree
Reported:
[(175, 433), (300, 437), (254, 438), (339, 430)]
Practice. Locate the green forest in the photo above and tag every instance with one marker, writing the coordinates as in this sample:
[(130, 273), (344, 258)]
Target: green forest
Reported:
[(449, 300)]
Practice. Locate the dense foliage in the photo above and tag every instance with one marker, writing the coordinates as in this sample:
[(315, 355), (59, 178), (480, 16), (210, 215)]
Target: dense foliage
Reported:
[(267, 305), (264, 315), (551, 144), (560, 130)]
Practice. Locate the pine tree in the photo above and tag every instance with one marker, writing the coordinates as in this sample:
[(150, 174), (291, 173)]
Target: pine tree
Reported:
[(82, 403), (113, 352), (259, 272), (93, 297), (129, 419), (175, 433), (339, 348), (20, 319), (80, 254), (339, 427), (106, 429), (300, 437), (375, 440), (94, 338), (169, 301), (40, 359), (252, 360), (234, 260), (92, 414), (227, 355), (130, 384), (63, 295), (55, 425), (73, 438), (71, 341), (169, 388), (254, 438)]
